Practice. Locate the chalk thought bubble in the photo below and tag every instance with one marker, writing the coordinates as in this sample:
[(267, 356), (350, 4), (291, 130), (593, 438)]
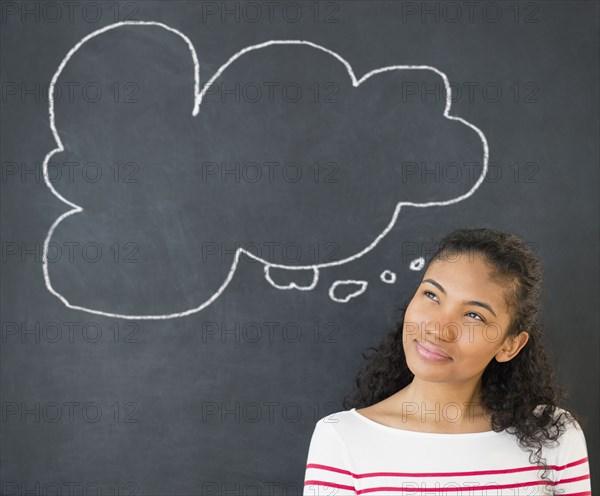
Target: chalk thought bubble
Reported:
[(284, 155)]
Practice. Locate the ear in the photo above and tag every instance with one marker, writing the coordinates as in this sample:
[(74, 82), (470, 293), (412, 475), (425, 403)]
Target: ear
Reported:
[(512, 346)]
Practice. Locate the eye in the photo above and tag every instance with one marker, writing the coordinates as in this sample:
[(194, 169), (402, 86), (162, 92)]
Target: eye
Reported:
[(428, 293), (477, 315)]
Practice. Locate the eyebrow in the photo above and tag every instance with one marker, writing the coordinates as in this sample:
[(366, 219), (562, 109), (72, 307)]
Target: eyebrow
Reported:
[(471, 302)]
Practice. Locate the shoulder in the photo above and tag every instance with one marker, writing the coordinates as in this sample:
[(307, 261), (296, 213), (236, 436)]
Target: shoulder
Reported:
[(339, 424), (572, 438), (336, 419), (573, 433), (560, 414), (328, 441)]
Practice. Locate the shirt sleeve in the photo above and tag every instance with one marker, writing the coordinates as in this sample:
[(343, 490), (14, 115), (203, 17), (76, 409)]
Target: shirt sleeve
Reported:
[(328, 467), (573, 470)]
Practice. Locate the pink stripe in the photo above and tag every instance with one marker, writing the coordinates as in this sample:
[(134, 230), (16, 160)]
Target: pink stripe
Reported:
[(442, 474), (449, 489), (574, 479), (472, 488), (571, 464), (328, 484)]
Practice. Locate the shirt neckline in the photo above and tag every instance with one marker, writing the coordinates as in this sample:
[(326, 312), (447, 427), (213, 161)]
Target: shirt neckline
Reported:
[(419, 433)]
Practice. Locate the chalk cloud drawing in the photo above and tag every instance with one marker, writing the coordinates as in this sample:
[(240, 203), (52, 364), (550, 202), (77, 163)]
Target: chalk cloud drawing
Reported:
[(417, 264), (310, 56), (353, 288), (388, 276)]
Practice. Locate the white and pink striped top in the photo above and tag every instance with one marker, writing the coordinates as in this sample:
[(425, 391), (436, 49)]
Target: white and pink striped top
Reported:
[(350, 454)]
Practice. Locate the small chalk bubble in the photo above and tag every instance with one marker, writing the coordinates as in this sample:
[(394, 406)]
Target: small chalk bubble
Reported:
[(360, 287), (417, 263), (388, 277)]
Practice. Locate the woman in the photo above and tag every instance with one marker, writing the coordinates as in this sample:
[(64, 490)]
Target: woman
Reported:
[(460, 398)]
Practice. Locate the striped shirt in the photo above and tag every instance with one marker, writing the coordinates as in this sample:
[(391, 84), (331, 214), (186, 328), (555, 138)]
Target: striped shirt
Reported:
[(350, 454)]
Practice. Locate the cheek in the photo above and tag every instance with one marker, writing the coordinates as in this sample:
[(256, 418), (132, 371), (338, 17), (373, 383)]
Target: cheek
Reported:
[(485, 338), (477, 348)]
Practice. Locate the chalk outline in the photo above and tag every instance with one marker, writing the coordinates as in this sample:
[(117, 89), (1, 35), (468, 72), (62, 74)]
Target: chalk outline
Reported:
[(197, 102), (388, 276), (363, 287), (417, 263)]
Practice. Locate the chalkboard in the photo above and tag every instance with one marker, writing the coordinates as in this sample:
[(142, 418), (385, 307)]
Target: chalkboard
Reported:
[(211, 209)]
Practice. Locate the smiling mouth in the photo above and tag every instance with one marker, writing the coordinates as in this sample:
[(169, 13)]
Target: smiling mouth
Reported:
[(430, 354)]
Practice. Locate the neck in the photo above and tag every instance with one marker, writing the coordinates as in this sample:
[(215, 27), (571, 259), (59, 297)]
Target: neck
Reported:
[(443, 403)]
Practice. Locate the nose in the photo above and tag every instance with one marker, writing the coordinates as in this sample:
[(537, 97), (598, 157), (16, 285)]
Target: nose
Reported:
[(443, 325)]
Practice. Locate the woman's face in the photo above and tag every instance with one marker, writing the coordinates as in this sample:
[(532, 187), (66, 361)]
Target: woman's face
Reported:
[(460, 312)]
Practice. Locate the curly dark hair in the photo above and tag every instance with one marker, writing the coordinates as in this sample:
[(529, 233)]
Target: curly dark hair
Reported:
[(512, 391)]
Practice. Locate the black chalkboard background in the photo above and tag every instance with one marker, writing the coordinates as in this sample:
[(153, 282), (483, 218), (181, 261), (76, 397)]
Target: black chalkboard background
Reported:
[(223, 400)]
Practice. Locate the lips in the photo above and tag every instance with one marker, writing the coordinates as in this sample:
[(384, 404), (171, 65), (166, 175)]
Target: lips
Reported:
[(434, 349)]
